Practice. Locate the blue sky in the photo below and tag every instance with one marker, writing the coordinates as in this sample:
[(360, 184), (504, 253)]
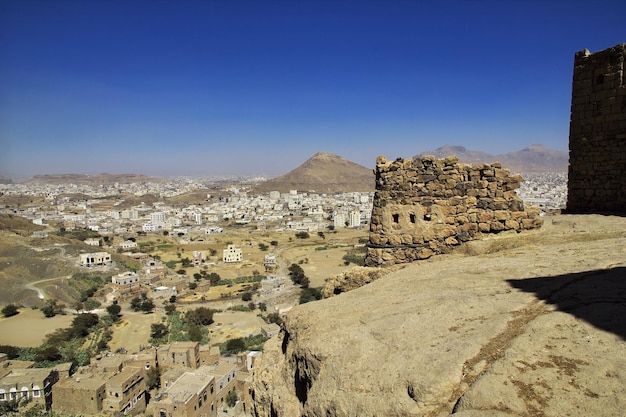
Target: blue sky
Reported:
[(189, 87)]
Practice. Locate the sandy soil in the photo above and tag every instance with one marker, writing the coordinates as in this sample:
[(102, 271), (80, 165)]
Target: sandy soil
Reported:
[(133, 330), (232, 324), (30, 327)]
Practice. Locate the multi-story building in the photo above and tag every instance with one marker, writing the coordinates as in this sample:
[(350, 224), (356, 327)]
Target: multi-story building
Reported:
[(355, 218), (232, 254), (192, 395), (82, 394), (179, 354), (33, 384), (125, 392)]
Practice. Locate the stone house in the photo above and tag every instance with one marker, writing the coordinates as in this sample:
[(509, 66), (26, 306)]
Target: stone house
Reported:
[(126, 392), (34, 384), (192, 395), (179, 354), (225, 374), (82, 394), (270, 329)]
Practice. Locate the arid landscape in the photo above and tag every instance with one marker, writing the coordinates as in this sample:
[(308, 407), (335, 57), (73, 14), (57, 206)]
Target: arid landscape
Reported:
[(514, 325)]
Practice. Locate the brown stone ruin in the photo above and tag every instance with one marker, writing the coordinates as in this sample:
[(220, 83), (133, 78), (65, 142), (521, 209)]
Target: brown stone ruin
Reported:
[(427, 206), (597, 140)]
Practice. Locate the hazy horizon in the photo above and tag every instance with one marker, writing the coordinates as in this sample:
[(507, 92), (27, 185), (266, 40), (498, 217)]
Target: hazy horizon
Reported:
[(213, 88)]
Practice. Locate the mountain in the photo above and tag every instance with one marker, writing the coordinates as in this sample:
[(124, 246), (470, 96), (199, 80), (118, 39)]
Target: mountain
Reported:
[(535, 158), (323, 173)]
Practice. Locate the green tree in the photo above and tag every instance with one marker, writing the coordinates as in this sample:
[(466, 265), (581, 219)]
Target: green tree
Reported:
[(10, 310), (48, 311), (235, 345), (147, 306), (231, 398), (274, 243), (246, 296), (158, 330), (200, 316), (296, 273), (262, 306), (263, 247), (83, 323), (170, 309), (274, 318), (12, 352), (153, 378), (114, 310), (214, 277), (48, 354), (195, 334), (135, 304), (310, 294)]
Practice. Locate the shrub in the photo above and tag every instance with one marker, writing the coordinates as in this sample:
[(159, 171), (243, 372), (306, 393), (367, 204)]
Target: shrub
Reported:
[(10, 310)]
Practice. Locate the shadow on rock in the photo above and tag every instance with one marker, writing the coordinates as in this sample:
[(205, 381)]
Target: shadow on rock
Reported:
[(597, 297)]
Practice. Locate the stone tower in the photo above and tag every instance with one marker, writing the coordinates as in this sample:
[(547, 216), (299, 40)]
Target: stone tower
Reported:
[(597, 139), (426, 206)]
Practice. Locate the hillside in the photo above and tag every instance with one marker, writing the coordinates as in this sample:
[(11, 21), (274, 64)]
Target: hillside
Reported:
[(100, 179), (535, 158), (516, 325), (322, 173)]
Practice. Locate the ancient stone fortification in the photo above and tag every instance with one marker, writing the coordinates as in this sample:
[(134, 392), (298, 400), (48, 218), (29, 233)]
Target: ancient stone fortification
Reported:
[(597, 141), (427, 206)]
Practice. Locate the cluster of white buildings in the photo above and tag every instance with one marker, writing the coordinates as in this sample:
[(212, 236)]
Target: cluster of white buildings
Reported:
[(292, 211), (545, 189)]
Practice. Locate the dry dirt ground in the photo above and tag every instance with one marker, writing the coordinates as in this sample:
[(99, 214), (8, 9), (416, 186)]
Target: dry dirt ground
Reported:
[(30, 327), (133, 330)]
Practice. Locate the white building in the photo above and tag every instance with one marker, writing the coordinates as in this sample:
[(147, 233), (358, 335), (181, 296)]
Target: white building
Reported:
[(95, 259), (355, 218), (92, 242), (339, 219), (151, 227), (129, 244), (125, 279), (213, 230), (232, 254), (157, 217)]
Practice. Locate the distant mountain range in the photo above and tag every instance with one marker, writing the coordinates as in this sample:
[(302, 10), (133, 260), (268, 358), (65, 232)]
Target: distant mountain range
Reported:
[(328, 173), (535, 158), (323, 173), (99, 179)]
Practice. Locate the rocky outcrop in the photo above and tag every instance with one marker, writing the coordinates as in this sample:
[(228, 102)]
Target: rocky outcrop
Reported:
[(427, 206), (535, 329), (350, 280)]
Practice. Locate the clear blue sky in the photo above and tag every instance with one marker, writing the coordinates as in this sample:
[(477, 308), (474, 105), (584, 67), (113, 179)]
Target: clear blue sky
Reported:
[(184, 87)]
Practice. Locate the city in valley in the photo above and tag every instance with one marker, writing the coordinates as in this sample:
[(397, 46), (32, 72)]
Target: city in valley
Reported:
[(155, 298)]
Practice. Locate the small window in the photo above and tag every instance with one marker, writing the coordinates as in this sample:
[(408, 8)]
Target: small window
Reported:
[(600, 79), (396, 218), (427, 217), (412, 218)]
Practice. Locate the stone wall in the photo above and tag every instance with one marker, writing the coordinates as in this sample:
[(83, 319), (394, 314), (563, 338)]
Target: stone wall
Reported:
[(597, 141), (426, 206)]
